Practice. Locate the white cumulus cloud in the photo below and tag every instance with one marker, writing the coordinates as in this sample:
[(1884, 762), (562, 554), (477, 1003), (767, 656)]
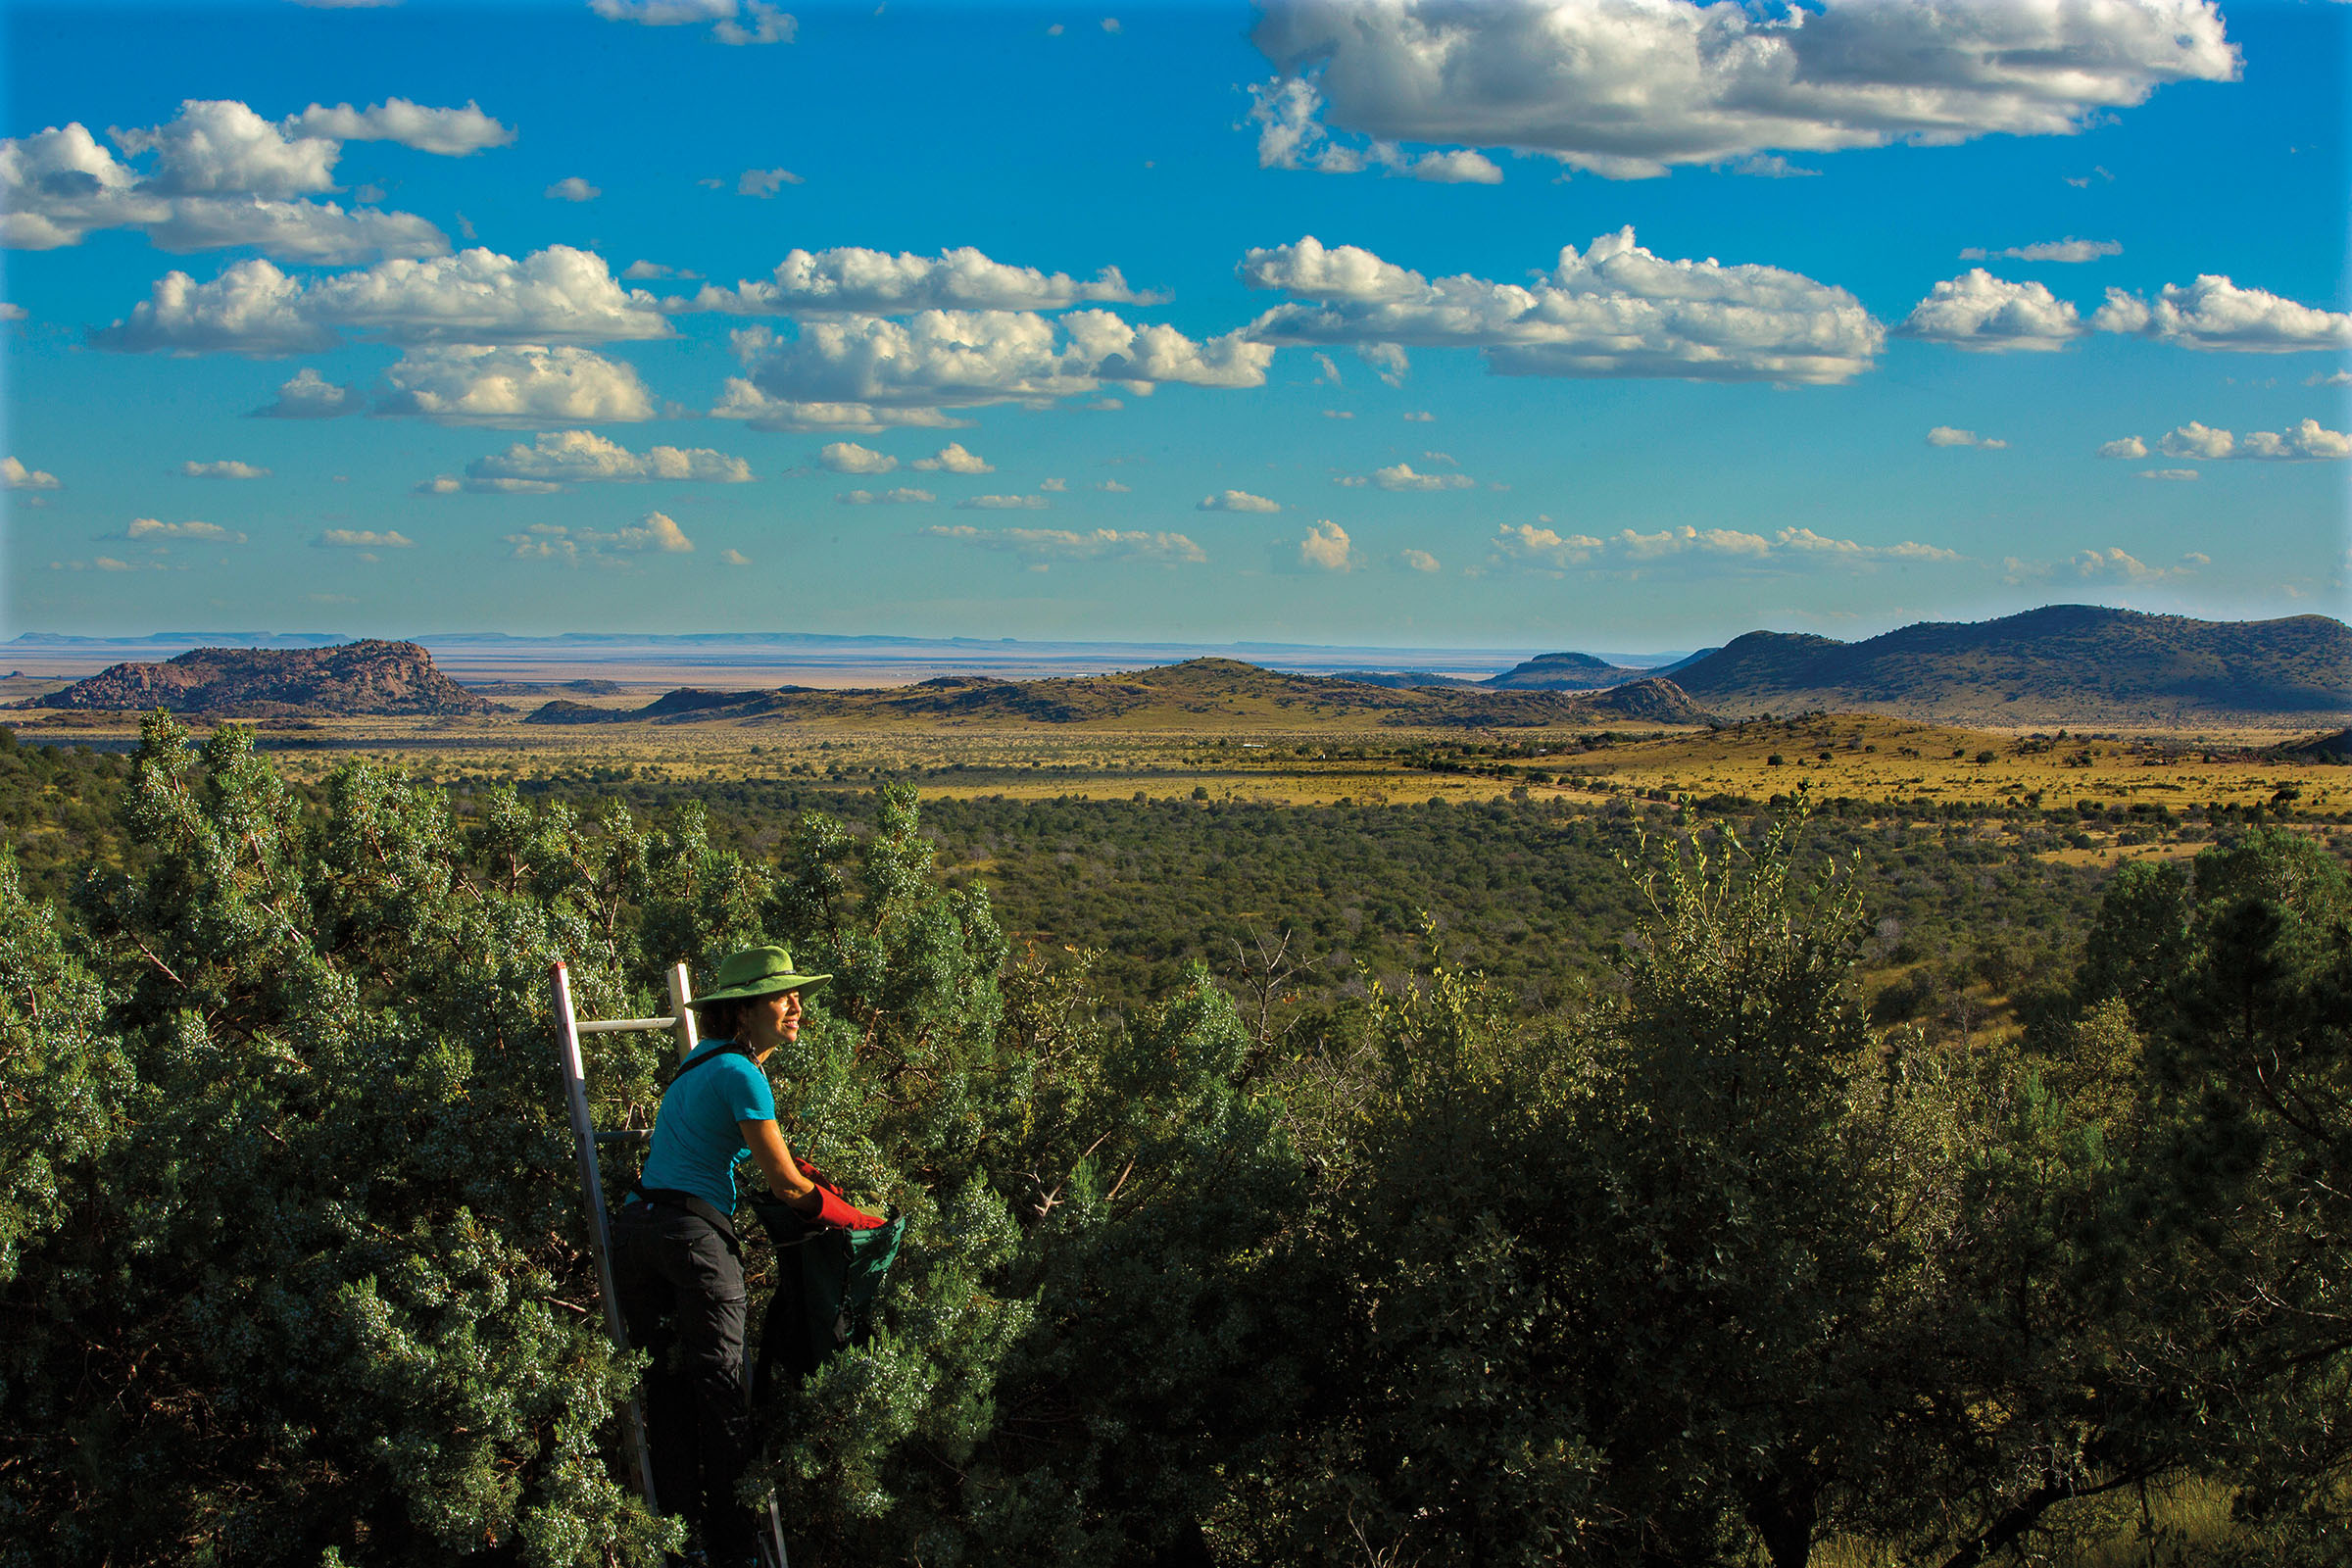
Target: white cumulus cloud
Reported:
[(310, 396), (251, 309), (1546, 548), (362, 539), (1418, 559), (1325, 548), (450, 133), (550, 541), (1236, 501), (2170, 475), (739, 399), (13, 475), (557, 295), (2196, 440), (2216, 313), (2068, 249), (2307, 441), (225, 468), (751, 22), (1614, 310), (1945, 435), (1063, 544), (1626, 88), (2118, 566), (758, 22), (656, 533), (558, 458), (572, 189), (765, 182), (155, 528), (2129, 446), (218, 174), (954, 459), (521, 385), (848, 457), (1980, 312), (1388, 361), (1401, 476), (867, 372), (903, 496), (850, 280), (1003, 502)]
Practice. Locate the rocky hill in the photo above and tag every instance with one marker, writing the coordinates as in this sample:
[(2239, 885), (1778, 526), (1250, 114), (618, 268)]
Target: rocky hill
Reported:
[(1171, 695), (2335, 748), (1546, 672), (2060, 664), (369, 678), (1564, 672)]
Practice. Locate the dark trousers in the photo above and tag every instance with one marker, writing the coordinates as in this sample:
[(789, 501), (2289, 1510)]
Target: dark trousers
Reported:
[(682, 1297)]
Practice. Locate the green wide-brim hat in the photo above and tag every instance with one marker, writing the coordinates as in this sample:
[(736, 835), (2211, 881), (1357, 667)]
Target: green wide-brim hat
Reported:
[(758, 972)]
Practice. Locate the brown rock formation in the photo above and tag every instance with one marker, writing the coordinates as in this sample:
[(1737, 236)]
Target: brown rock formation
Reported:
[(364, 678)]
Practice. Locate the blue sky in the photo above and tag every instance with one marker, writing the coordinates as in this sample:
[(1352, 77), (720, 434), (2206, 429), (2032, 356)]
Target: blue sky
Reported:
[(1299, 321)]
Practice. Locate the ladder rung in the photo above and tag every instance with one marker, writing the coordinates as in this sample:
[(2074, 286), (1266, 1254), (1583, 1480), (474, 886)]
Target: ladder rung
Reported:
[(614, 1026)]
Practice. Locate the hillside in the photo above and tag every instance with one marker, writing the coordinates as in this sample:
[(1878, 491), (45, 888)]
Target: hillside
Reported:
[(369, 678), (1546, 672), (1404, 678), (1564, 672), (2064, 663), (1169, 697)]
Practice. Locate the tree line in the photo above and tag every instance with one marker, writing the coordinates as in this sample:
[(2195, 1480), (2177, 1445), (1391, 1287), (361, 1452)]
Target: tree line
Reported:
[(1700, 1265)]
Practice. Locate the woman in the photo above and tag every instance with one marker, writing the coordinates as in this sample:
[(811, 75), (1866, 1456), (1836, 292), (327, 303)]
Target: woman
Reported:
[(676, 1263)]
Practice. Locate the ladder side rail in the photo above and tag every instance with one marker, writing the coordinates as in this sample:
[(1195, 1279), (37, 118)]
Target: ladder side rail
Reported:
[(681, 1019), (592, 1198)]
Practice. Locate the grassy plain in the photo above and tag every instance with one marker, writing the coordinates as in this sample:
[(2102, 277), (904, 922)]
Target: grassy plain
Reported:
[(1281, 756)]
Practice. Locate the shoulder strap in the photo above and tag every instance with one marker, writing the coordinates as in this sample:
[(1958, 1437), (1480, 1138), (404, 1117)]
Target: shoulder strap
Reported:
[(731, 1048)]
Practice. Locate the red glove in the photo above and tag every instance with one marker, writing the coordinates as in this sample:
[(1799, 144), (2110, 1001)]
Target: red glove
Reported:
[(832, 1208)]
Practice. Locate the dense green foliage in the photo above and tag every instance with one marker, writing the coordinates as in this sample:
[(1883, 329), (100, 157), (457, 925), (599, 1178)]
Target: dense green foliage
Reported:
[(1677, 1259)]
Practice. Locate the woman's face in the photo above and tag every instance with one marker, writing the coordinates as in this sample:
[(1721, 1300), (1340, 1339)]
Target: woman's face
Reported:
[(771, 1021)]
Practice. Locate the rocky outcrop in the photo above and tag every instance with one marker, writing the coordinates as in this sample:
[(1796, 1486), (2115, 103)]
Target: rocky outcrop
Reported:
[(369, 678), (1654, 700)]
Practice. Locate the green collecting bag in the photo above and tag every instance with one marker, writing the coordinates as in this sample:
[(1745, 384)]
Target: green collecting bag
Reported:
[(826, 1281)]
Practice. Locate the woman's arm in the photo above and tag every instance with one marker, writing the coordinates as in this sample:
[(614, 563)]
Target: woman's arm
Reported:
[(765, 1140)]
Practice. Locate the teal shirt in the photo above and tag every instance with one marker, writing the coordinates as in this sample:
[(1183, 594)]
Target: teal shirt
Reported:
[(695, 1141)]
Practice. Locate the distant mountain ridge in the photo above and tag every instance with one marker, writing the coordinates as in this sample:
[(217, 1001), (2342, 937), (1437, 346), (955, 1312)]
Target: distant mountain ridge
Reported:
[(2062, 663), (1546, 672), (1172, 694), (363, 680)]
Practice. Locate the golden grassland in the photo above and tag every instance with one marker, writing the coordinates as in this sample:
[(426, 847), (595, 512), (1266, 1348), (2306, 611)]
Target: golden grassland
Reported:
[(1253, 757)]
